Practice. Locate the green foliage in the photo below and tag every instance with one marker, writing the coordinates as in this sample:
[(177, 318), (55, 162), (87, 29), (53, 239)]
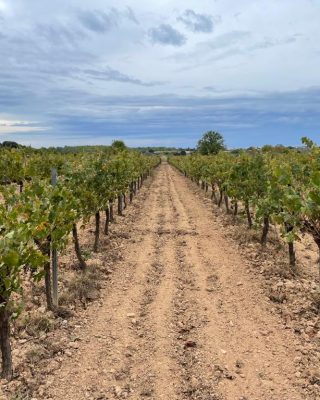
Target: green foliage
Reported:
[(10, 145), (211, 143), (280, 184), (17, 249), (41, 216), (118, 145)]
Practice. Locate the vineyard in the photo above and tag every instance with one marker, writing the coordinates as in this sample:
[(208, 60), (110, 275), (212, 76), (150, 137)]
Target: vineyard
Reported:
[(38, 216), (283, 189), (203, 286)]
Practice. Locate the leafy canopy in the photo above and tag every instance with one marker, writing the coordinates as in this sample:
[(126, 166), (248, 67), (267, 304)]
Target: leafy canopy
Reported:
[(118, 145), (211, 143)]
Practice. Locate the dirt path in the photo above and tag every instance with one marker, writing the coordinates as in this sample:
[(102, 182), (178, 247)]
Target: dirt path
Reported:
[(181, 317)]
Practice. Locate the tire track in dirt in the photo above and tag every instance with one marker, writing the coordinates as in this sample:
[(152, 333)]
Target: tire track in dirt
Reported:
[(253, 357), (190, 315), (156, 362)]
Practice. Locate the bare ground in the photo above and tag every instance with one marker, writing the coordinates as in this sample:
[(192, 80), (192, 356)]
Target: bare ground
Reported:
[(182, 316)]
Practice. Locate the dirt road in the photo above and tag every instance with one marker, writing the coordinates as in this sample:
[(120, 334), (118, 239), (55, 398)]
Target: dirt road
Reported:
[(182, 318)]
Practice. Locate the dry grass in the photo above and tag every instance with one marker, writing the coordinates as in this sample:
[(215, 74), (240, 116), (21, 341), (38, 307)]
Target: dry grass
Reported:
[(22, 394), (36, 354), (37, 323), (277, 296), (82, 287)]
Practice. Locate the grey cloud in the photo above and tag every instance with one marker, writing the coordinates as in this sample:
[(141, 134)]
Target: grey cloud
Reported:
[(99, 21), (2, 36), (167, 35), (265, 44), (228, 39), (109, 74), (270, 42), (131, 16), (58, 34), (198, 22), (79, 113), (190, 115), (209, 88), (295, 102), (216, 91), (232, 52), (220, 47)]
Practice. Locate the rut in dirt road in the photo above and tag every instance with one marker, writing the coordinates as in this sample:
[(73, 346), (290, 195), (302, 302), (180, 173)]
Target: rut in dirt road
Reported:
[(181, 318)]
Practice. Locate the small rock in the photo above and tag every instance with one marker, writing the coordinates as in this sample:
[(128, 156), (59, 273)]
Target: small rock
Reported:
[(239, 364), (73, 345), (309, 329), (118, 391), (229, 375)]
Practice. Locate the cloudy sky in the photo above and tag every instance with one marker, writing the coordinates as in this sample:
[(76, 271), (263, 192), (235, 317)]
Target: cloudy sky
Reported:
[(159, 72)]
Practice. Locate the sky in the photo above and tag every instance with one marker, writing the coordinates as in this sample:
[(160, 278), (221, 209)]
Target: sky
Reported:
[(159, 73)]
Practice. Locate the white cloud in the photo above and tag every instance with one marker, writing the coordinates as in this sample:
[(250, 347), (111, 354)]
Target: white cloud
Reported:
[(65, 57), (3, 5), (15, 126)]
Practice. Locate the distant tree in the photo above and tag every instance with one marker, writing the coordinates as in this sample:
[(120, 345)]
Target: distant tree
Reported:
[(279, 149), (266, 148), (118, 145), (211, 143), (183, 153), (11, 145)]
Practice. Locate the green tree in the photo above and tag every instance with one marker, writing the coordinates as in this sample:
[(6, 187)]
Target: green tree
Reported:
[(10, 145), (118, 145), (211, 143)]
